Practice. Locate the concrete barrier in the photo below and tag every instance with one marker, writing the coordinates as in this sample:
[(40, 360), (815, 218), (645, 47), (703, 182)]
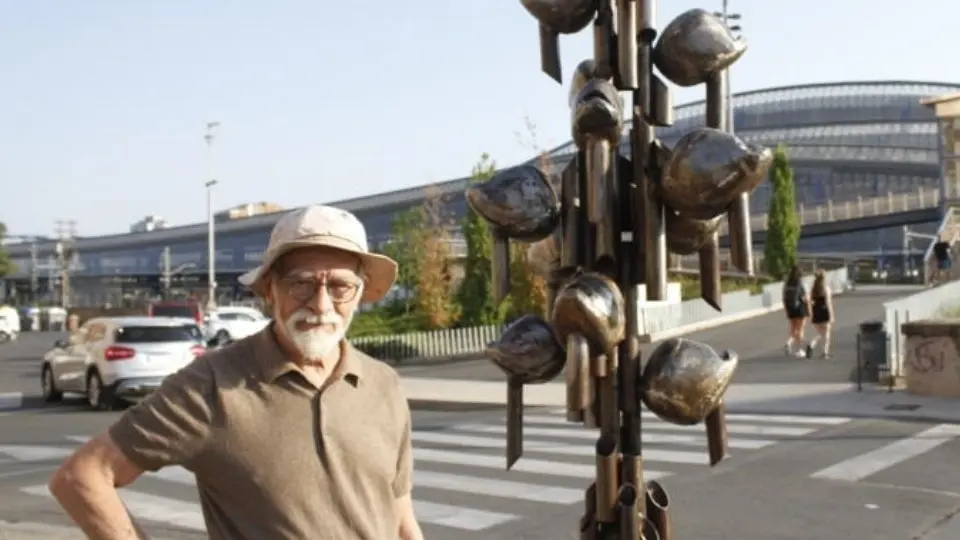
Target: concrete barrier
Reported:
[(932, 366)]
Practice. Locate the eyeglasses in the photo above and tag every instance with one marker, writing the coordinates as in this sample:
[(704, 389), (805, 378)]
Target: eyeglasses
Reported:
[(303, 289)]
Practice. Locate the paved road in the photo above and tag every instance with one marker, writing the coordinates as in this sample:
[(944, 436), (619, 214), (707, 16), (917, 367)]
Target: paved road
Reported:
[(793, 478), (758, 341)]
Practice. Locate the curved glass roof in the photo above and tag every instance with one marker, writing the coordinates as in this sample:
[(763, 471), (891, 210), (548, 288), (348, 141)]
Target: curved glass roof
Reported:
[(819, 107)]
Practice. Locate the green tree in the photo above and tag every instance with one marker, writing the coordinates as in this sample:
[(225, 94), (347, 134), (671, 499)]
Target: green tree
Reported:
[(6, 265), (435, 299), (406, 247), (783, 224), (475, 295), (528, 290)]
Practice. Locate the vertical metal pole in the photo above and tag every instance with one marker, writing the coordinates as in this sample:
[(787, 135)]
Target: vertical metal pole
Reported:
[(211, 237), (738, 217)]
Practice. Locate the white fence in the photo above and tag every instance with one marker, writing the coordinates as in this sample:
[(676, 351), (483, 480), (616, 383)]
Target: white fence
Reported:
[(653, 319)]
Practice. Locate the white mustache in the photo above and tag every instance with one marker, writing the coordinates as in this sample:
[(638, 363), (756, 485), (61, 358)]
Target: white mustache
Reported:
[(310, 318)]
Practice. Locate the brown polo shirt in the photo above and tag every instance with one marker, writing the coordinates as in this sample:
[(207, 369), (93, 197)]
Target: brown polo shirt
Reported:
[(275, 457)]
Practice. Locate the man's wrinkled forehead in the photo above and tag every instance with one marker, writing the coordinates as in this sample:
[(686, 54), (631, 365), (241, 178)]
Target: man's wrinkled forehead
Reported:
[(311, 261)]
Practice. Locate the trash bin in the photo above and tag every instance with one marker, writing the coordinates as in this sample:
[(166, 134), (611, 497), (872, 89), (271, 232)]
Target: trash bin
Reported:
[(871, 351)]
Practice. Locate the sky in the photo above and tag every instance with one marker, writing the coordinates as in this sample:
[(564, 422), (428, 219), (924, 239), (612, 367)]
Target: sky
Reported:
[(103, 104)]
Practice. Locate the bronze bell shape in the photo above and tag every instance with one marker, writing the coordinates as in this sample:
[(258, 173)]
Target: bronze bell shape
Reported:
[(519, 202), (528, 351), (694, 46), (685, 236), (684, 380), (591, 305), (562, 16), (597, 113), (585, 72), (544, 255), (708, 169)]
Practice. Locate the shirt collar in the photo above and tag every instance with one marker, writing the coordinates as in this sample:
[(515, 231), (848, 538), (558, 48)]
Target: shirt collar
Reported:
[(274, 363)]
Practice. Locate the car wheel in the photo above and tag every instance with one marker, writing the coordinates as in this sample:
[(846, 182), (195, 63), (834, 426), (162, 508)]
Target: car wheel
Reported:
[(5, 337), (223, 338), (97, 397), (49, 386)]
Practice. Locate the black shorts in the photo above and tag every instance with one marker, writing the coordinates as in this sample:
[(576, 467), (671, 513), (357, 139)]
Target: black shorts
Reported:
[(820, 316), (797, 313)]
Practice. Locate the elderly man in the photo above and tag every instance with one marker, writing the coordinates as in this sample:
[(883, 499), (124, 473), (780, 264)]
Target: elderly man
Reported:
[(292, 433)]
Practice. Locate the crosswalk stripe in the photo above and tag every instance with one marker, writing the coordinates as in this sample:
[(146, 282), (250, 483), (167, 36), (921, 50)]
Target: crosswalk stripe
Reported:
[(148, 508), (672, 456), (743, 417), (29, 453), (654, 425), (11, 400), (505, 489), (651, 438), (535, 466), (869, 463), (456, 517)]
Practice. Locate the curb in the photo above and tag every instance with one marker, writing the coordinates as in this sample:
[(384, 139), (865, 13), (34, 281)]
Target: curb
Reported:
[(433, 361)]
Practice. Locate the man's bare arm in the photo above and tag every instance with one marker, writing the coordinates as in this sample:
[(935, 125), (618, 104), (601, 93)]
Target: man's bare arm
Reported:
[(86, 485), (408, 528)]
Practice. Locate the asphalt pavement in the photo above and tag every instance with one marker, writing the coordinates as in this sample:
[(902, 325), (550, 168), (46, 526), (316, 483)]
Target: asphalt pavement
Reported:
[(787, 477)]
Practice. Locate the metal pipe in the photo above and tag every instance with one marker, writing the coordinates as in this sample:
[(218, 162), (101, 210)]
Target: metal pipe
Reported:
[(627, 33)]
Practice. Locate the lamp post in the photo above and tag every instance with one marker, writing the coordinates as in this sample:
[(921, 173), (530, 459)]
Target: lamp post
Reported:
[(211, 235), (726, 17)]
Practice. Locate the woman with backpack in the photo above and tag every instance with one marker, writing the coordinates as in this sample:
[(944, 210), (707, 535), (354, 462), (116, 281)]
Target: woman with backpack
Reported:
[(821, 314), (796, 305)]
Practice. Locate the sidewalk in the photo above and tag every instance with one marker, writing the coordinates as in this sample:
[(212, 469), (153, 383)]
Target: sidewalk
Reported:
[(823, 399)]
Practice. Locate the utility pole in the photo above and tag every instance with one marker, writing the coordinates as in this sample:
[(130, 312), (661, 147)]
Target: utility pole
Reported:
[(211, 235), (167, 273), (34, 277), (66, 231)]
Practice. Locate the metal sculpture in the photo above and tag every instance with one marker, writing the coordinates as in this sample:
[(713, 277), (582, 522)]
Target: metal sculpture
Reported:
[(608, 231)]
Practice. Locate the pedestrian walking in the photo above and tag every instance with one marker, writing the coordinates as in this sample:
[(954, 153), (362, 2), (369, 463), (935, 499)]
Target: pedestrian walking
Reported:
[(821, 314), (292, 433), (944, 262), (796, 306)]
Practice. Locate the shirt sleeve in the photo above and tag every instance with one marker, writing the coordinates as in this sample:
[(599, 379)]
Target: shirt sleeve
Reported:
[(171, 426), (403, 481)]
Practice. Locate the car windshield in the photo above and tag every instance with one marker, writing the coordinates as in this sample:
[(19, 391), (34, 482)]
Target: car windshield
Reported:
[(174, 311), (158, 334)]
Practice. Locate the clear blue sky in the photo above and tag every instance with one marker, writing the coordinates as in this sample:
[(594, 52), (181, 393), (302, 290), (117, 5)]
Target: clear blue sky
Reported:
[(103, 103)]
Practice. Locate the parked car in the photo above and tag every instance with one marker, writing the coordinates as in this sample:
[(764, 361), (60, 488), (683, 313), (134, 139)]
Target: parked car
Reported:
[(189, 309), (226, 324), (9, 324), (111, 359)]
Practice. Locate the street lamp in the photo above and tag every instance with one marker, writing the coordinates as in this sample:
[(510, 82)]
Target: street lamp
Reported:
[(211, 238), (726, 17)]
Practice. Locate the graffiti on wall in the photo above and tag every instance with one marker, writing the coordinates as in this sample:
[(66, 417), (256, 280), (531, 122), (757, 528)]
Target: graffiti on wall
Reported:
[(931, 354)]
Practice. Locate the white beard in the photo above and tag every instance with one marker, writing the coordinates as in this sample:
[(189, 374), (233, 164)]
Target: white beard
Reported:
[(316, 343)]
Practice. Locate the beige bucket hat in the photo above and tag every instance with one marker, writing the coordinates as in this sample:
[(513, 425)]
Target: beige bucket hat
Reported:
[(326, 226)]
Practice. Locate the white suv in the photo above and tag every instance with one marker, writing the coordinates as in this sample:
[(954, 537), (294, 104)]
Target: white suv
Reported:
[(226, 324), (119, 358)]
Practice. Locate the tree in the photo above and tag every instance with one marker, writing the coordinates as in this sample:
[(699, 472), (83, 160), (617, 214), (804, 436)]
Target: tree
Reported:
[(528, 290), (6, 265), (783, 224), (406, 247), (435, 299), (475, 295)]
